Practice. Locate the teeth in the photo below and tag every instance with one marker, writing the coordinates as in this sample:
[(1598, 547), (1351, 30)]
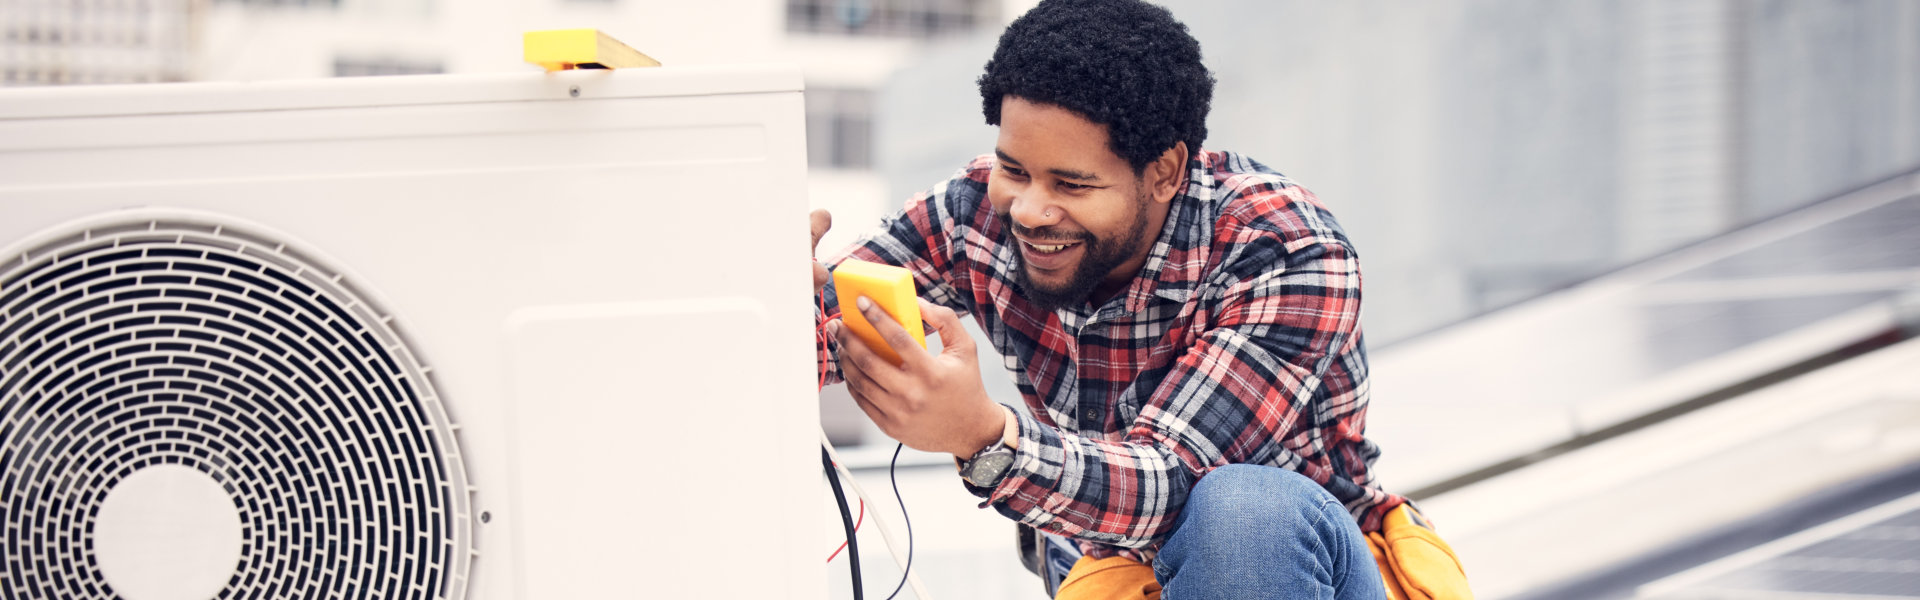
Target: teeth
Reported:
[(1049, 249)]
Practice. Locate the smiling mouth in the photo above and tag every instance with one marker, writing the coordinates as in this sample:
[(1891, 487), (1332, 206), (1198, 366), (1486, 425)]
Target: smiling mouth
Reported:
[(1048, 248)]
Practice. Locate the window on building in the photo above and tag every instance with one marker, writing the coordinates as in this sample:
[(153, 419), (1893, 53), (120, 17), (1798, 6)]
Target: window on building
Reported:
[(839, 128), (365, 66), (68, 43), (320, 3), (904, 18)]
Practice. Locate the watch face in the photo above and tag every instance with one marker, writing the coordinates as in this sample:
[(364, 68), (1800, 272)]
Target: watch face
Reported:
[(987, 469)]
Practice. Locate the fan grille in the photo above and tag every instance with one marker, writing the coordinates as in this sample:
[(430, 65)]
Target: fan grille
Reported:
[(203, 345)]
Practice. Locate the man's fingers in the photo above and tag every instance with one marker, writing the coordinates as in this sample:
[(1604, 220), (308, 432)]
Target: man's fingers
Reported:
[(863, 370), (821, 221), (890, 331), (946, 323), (879, 417), (858, 384)]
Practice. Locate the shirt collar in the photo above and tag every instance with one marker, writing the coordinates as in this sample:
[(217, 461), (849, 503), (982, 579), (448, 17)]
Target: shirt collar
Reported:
[(1173, 268)]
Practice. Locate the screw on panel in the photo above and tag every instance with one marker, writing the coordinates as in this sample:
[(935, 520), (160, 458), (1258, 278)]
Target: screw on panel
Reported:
[(573, 91), (485, 516)]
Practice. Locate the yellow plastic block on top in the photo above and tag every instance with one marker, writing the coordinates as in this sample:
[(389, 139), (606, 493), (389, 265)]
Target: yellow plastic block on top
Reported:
[(561, 49), (890, 287)]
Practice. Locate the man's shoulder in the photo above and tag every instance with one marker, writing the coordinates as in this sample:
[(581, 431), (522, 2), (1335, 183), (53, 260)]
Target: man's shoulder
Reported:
[(968, 185), (1249, 195), (1243, 187), (978, 169), (1236, 172), (961, 195)]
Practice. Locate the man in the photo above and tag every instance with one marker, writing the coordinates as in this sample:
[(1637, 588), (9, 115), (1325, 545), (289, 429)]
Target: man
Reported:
[(1183, 324)]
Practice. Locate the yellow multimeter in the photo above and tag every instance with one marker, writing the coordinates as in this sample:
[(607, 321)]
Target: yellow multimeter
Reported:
[(889, 286)]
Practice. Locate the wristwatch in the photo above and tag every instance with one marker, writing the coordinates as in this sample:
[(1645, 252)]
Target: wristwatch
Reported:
[(988, 466)]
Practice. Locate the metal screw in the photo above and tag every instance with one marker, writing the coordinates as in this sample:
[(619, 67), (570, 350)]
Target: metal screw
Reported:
[(574, 91), (485, 516)]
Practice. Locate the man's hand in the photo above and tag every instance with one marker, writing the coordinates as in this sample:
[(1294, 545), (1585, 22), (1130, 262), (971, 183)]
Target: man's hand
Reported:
[(934, 403), (821, 222)]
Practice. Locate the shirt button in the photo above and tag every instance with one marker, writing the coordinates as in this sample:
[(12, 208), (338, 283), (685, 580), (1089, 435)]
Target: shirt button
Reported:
[(1091, 415)]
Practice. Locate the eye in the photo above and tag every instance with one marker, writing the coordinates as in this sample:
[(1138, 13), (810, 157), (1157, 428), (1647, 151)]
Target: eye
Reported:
[(1074, 187), (1014, 171)]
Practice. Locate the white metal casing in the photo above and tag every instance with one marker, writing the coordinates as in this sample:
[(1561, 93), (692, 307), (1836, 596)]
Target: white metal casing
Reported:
[(601, 269)]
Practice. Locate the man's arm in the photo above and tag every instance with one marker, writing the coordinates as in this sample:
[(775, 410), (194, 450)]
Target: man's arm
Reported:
[(917, 238)]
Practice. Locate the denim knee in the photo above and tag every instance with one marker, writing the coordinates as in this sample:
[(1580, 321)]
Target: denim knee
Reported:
[(1255, 501), (1251, 531)]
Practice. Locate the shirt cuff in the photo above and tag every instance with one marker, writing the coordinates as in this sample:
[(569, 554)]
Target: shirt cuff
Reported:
[(1032, 436)]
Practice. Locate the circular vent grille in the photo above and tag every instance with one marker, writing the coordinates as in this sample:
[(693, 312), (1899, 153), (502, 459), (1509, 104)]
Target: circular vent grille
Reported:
[(206, 347)]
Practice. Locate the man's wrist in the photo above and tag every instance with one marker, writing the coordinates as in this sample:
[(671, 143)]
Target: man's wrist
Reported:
[(1011, 437), (988, 465), (987, 438)]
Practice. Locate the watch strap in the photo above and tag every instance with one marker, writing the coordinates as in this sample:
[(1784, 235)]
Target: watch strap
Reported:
[(1009, 441)]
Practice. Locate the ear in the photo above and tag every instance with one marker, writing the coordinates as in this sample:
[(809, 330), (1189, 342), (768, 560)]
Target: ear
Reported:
[(1165, 174)]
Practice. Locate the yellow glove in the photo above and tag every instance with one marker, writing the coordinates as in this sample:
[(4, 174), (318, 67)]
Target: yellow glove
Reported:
[(1111, 578), (1414, 562)]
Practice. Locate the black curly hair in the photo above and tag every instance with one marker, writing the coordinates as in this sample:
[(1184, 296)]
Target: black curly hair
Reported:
[(1125, 64)]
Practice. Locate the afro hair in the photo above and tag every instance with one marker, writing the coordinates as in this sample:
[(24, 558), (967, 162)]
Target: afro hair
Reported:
[(1124, 64)]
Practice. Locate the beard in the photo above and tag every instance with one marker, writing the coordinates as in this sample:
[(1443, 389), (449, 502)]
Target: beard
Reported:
[(1102, 256)]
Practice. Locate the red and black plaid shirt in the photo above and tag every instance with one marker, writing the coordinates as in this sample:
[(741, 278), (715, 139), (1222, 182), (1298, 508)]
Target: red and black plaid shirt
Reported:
[(1238, 342)]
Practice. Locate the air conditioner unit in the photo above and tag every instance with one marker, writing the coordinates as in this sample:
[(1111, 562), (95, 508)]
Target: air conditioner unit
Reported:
[(513, 336)]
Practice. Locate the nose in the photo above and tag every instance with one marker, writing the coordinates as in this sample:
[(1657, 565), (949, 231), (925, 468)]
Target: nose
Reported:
[(1033, 210)]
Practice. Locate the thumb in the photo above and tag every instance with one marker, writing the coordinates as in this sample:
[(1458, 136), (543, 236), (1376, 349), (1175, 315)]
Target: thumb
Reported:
[(953, 336)]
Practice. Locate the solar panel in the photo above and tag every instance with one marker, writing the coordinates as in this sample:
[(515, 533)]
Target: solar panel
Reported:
[(1872, 554), (1879, 238), (1678, 327)]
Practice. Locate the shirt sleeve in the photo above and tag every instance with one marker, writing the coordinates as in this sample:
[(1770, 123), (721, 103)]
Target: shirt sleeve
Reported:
[(919, 238), (1251, 389)]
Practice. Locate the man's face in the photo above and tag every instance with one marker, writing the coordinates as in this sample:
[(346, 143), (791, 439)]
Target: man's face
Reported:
[(1083, 220)]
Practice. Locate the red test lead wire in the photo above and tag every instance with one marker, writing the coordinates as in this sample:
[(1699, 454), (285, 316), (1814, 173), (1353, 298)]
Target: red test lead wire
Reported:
[(856, 529)]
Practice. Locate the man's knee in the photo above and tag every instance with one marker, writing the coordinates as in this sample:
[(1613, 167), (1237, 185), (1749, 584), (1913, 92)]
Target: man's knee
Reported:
[(1236, 505), (1257, 527), (1244, 495)]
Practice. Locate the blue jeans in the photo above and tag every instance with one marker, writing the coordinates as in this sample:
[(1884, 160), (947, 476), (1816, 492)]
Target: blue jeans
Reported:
[(1251, 531)]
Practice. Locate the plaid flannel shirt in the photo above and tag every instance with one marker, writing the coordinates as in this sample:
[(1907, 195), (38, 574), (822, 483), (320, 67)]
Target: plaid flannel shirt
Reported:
[(1238, 342)]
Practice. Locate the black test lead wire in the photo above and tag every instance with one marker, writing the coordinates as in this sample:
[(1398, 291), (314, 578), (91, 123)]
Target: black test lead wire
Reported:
[(908, 570), (846, 521)]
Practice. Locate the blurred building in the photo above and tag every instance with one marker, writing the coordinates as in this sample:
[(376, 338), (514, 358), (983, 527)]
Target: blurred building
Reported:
[(54, 42)]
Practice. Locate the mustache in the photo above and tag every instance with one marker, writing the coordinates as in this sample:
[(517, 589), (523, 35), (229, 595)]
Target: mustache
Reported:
[(1048, 234)]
